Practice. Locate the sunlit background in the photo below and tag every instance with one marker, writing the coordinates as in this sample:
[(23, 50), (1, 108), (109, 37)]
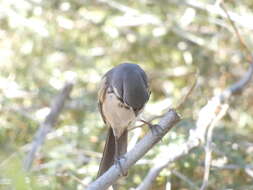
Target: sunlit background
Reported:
[(44, 44)]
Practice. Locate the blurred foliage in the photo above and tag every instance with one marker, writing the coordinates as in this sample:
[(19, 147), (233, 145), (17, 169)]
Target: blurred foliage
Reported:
[(43, 44)]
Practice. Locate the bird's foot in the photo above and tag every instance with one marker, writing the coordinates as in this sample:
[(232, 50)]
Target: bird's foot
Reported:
[(117, 162), (155, 128)]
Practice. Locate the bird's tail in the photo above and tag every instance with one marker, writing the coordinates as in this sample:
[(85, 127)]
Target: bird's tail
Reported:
[(109, 150)]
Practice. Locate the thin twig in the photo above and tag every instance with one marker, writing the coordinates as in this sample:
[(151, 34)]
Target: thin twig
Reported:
[(152, 118), (232, 166), (46, 126), (249, 56), (14, 154), (184, 99), (208, 150), (185, 179), (77, 179)]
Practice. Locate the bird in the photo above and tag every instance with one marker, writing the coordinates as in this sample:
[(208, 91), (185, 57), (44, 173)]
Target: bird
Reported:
[(122, 95)]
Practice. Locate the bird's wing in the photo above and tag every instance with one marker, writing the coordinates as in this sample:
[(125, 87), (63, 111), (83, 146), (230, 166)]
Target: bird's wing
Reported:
[(101, 97)]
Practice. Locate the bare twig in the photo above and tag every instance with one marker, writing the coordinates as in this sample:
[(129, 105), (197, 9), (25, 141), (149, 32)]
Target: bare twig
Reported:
[(249, 56), (208, 156), (184, 99), (14, 154), (139, 150), (152, 118), (76, 179), (232, 166), (46, 126), (248, 168), (185, 179)]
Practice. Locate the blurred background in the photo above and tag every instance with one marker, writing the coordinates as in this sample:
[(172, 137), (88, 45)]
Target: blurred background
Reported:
[(44, 44)]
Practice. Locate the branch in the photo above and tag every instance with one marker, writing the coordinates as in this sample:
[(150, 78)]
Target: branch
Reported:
[(208, 150), (139, 150), (45, 127), (206, 116)]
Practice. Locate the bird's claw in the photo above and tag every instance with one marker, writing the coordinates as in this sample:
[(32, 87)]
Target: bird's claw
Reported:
[(118, 163), (155, 129)]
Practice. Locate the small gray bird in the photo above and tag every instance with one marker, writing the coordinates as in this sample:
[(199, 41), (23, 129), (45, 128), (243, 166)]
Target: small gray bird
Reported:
[(122, 96)]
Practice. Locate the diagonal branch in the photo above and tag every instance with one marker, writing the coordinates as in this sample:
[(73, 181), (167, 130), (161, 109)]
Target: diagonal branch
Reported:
[(45, 127), (139, 150), (185, 179)]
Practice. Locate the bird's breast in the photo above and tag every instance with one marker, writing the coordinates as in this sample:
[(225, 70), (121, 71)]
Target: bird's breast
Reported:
[(117, 115)]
